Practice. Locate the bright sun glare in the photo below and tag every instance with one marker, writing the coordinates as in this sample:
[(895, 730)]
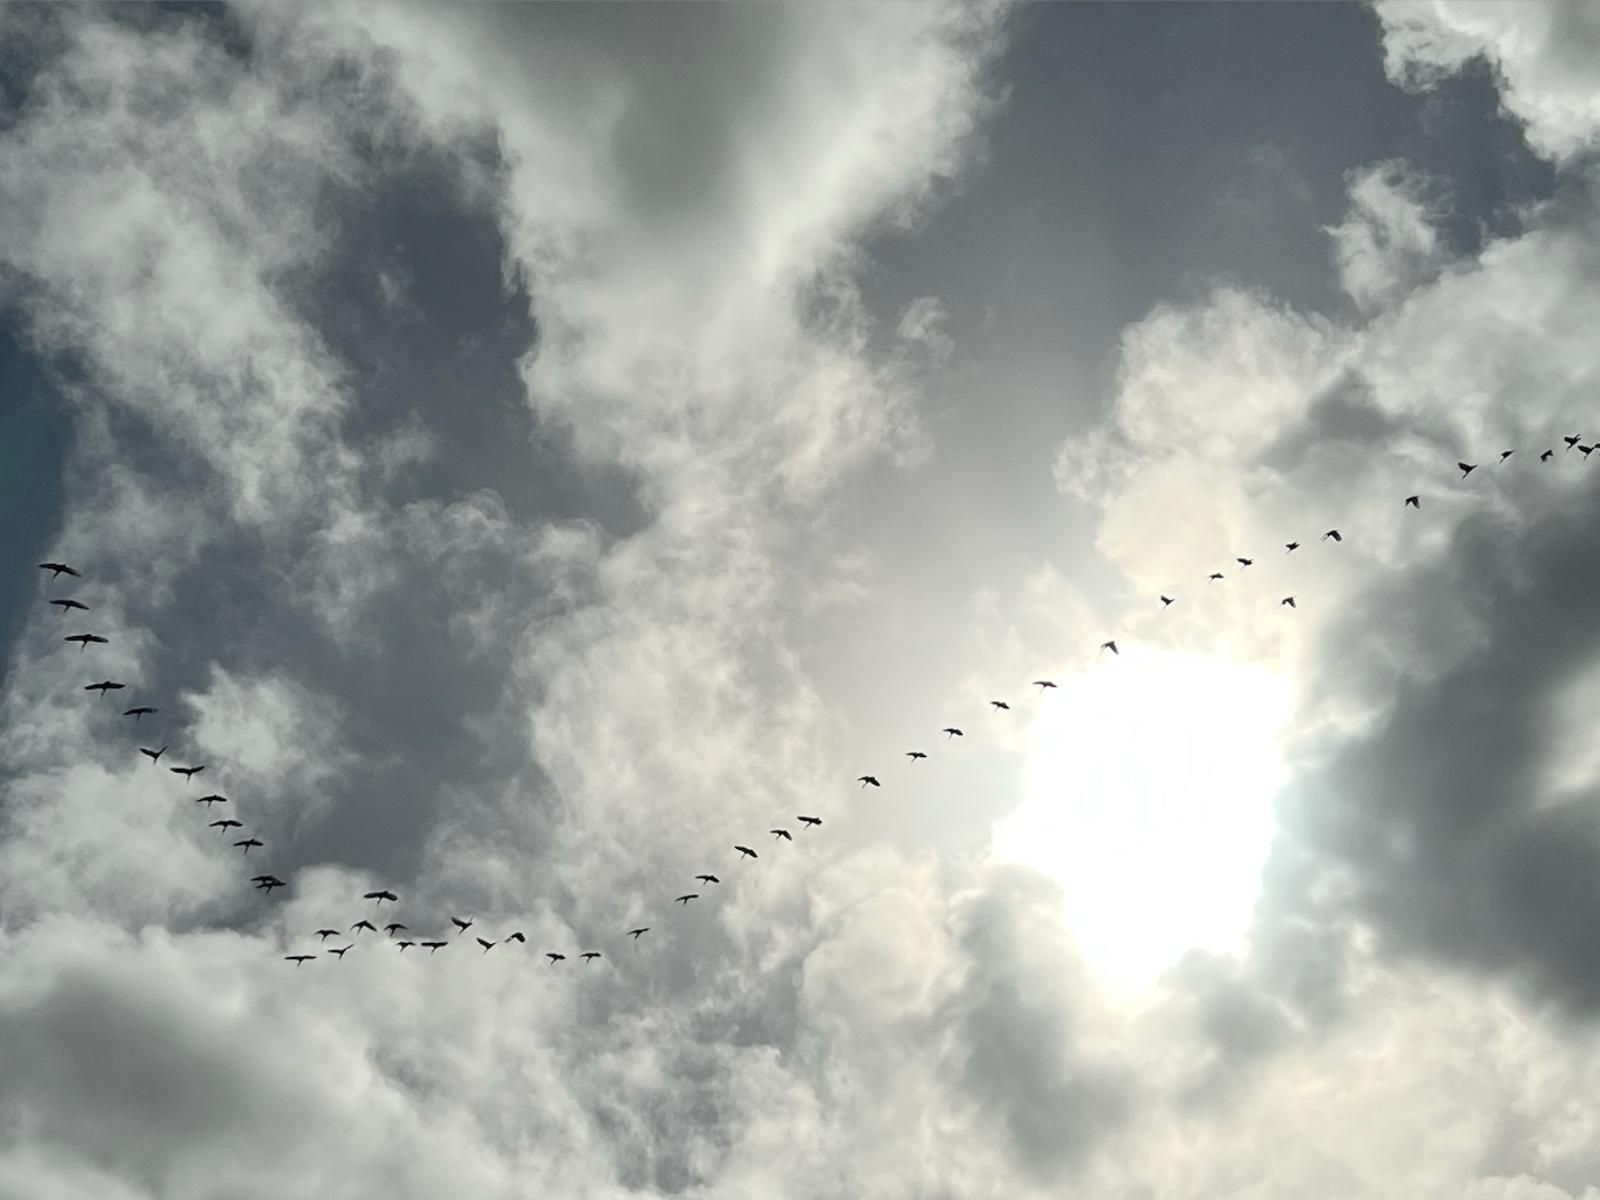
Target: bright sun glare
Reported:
[(1148, 796)]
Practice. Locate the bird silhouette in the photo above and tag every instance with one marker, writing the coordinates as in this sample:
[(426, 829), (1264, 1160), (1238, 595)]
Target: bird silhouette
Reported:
[(590, 955), (486, 944), (1245, 562), (364, 924), (1573, 440), (1111, 646), (517, 937), (1289, 600), (1290, 547), (951, 731), (747, 852), (1547, 456), (708, 879), (65, 605), (1588, 450), (1042, 684), (554, 957), (1466, 468), (188, 773), (1214, 576), (325, 934), (404, 946), (139, 712), (214, 798), (869, 779), (686, 897), (298, 959), (809, 820), (249, 842), (1334, 534), (85, 640), (434, 947), (1505, 454), (1001, 704), (104, 686), (57, 570), (379, 897), (1414, 501), (638, 933), (267, 882), (339, 952), (152, 755), (463, 926), (781, 833), (1166, 600), (913, 755), (394, 927), (226, 824)]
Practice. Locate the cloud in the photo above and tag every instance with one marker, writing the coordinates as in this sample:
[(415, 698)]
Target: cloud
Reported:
[(1389, 242)]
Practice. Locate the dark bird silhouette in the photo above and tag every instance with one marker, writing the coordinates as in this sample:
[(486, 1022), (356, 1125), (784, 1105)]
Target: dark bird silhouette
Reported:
[(951, 731), (913, 755), (298, 959), (1505, 454), (85, 640), (778, 833), (152, 755), (434, 947), (1289, 600), (866, 779), (404, 946), (708, 879), (1414, 501), (686, 897), (517, 937), (214, 798), (1111, 646), (363, 924), (1166, 600), (1245, 562), (188, 773), (64, 605), (1573, 440), (809, 820), (139, 712), (1547, 456), (1042, 684), (379, 897), (248, 842), (1466, 468), (1290, 547), (554, 957), (487, 945), (325, 934), (394, 927), (267, 882), (1214, 576), (226, 824), (105, 686), (589, 955), (1587, 450), (1001, 704), (57, 570), (1334, 534), (339, 952), (463, 926), (638, 933)]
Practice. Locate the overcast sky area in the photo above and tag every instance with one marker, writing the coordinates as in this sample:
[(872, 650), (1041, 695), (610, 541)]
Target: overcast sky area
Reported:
[(524, 452)]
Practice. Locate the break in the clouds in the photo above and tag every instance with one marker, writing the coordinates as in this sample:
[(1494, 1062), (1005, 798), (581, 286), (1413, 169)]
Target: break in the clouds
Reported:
[(523, 452)]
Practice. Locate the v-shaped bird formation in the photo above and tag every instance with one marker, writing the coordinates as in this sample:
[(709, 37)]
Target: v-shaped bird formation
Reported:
[(266, 882)]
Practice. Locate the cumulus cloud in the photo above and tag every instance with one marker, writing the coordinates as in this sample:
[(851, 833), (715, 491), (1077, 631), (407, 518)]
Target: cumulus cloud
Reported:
[(1390, 241)]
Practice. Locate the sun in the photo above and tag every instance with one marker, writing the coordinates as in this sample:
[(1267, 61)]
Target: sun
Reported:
[(1148, 796)]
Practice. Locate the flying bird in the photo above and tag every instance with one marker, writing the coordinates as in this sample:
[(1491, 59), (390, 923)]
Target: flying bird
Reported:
[(394, 927), (1588, 450), (1334, 534), (686, 897), (364, 924), (1547, 456), (1288, 600), (1466, 468), (589, 955), (554, 957), (638, 933), (270, 882), (1290, 547), (747, 852), (1001, 704), (1166, 600), (487, 945), (298, 959), (1214, 576), (809, 820), (404, 946), (85, 640), (434, 947), (780, 833), (1042, 684), (64, 605), (1505, 454), (214, 798), (379, 897), (1111, 646), (104, 686), (913, 755), (226, 824), (340, 951), (325, 934), (248, 842), (57, 570), (517, 937), (866, 779), (187, 772), (1245, 562), (708, 879), (1573, 440), (152, 755), (1414, 501), (951, 731), (460, 924), (139, 712)]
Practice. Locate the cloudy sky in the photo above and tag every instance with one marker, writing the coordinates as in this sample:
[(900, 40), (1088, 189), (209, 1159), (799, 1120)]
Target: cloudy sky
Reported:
[(525, 451)]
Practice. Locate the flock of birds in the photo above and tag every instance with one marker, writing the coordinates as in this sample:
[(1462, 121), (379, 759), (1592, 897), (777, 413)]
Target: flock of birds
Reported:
[(398, 934)]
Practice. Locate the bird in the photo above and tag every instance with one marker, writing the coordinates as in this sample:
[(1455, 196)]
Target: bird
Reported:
[(104, 686), (1588, 450), (394, 927), (379, 897), (267, 882), (554, 957), (1414, 501), (708, 879), (517, 937), (226, 824), (1166, 600), (1245, 562), (1214, 576), (85, 640), (1466, 468), (214, 798), (1547, 456), (638, 933), (1573, 440), (434, 947), (590, 955), (1505, 454), (686, 897), (1042, 684), (913, 755), (152, 755), (1288, 600), (487, 945), (66, 604), (747, 852), (248, 842), (460, 924), (809, 820), (779, 833), (57, 570), (139, 712), (1334, 534), (1001, 704), (866, 779), (1111, 646), (325, 934), (951, 731), (187, 772), (364, 924), (1290, 547), (404, 946), (340, 951), (298, 959)]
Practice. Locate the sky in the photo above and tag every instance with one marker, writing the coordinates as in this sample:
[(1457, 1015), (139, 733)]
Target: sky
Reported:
[(524, 452)]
